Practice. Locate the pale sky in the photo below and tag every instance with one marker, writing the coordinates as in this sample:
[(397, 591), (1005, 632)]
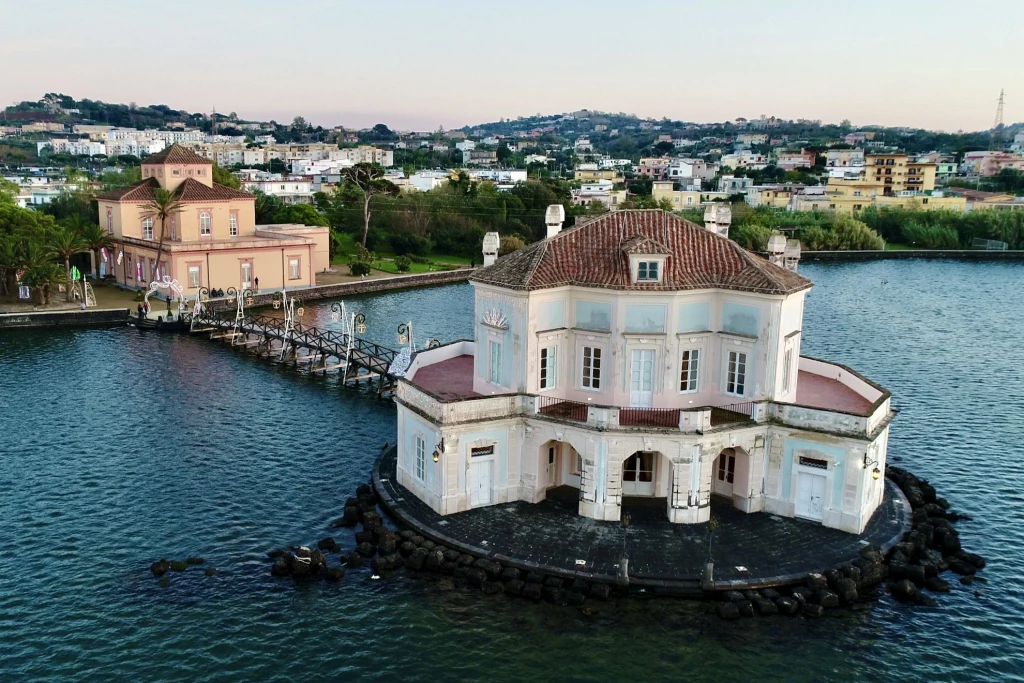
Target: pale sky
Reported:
[(926, 63)]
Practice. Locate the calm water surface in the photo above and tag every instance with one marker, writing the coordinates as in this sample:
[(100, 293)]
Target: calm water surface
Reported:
[(119, 447)]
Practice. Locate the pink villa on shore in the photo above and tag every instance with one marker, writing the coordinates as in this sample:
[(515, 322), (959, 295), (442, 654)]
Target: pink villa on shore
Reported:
[(212, 240), (638, 354)]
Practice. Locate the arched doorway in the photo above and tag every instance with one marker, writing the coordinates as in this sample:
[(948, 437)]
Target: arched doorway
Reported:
[(723, 474), (638, 474), (561, 465)]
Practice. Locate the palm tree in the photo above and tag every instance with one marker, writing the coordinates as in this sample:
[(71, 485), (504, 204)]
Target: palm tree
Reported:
[(64, 243), (39, 269), (96, 238), (162, 206), (11, 261)]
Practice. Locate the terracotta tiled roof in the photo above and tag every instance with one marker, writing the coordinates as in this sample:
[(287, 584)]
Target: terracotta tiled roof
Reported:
[(591, 255), (644, 245), (139, 192), (176, 154), (190, 190)]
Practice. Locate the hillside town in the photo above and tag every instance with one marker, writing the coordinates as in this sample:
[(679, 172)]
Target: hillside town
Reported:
[(607, 159), (360, 201)]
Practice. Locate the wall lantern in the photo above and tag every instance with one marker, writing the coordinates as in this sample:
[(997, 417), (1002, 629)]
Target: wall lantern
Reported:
[(438, 450), (876, 473)]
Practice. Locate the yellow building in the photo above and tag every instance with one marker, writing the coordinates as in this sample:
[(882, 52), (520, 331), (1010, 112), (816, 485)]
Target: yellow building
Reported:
[(682, 199), (850, 204), (211, 240), (774, 197), (897, 173), (591, 174)]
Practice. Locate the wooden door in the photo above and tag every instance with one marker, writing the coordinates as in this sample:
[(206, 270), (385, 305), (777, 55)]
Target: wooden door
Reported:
[(479, 483)]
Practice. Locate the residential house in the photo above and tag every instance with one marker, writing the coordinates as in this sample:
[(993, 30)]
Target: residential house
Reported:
[(211, 240), (790, 160)]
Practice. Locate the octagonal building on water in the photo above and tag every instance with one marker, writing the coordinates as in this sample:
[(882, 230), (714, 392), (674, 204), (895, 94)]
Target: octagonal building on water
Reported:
[(639, 354)]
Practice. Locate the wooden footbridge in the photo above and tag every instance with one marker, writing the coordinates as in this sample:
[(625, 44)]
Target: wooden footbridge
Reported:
[(309, 348)]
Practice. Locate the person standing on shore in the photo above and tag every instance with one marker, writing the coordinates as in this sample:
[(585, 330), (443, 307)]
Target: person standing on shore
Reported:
[(256, 284)]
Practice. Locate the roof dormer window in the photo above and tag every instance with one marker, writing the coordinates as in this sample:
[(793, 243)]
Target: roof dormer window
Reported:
[(648, 271)]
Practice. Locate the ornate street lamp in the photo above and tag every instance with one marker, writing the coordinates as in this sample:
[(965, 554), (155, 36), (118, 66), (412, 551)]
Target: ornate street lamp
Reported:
[(405, 334), (875, 473), (360, 323)]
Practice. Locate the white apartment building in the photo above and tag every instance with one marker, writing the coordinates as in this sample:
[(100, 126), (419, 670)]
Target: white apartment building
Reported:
[(288, 190), (133, 147), (500, 176), (679, 169), (76, 147), (321, 167)]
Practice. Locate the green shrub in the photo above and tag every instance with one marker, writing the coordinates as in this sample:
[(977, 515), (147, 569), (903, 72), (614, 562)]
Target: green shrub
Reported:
[(403, 263), (415, 258), (510, 243), (751, 236), (404, 243), (359, 268), (930, 236)]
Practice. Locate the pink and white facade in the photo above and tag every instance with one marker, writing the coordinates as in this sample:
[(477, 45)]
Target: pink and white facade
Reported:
[(640, 355)]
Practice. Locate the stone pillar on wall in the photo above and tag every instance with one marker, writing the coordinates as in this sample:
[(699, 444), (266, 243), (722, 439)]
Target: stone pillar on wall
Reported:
[(773, 476)]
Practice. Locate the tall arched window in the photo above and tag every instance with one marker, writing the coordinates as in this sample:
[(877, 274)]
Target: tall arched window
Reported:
[(204, 223), (147, 228), (110, 220)]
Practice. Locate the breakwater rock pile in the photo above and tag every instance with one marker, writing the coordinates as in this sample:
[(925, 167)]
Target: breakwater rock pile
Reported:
[(389, 550), (912, 568)]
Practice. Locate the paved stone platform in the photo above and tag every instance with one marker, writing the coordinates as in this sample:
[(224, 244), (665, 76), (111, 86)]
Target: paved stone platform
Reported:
[(750, 550)]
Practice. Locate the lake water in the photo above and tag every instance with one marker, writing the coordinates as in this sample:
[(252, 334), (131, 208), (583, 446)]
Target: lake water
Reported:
[(118, 448)]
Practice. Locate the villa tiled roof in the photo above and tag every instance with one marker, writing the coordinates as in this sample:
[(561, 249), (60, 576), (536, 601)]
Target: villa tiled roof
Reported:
[(189, 191), (592, 255), (176, 154), (139, 192), (194, 191)]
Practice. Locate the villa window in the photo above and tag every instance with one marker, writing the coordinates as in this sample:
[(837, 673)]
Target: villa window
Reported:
[(194, 277), (689, 367), (494, 369), (787, 371), (647, 271), (548, 367), (204, 223), (147, 228), (591, 374), (174, 228), (294, 269), (233, 225), (110, 221), (421, 458), (736, 374), (726, 468)]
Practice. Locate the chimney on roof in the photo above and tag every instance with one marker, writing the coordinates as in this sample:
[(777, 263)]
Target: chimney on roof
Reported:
[(792, 254), (784, 253), (718, 218), (777, 250), (492, 241), (553, 218)]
